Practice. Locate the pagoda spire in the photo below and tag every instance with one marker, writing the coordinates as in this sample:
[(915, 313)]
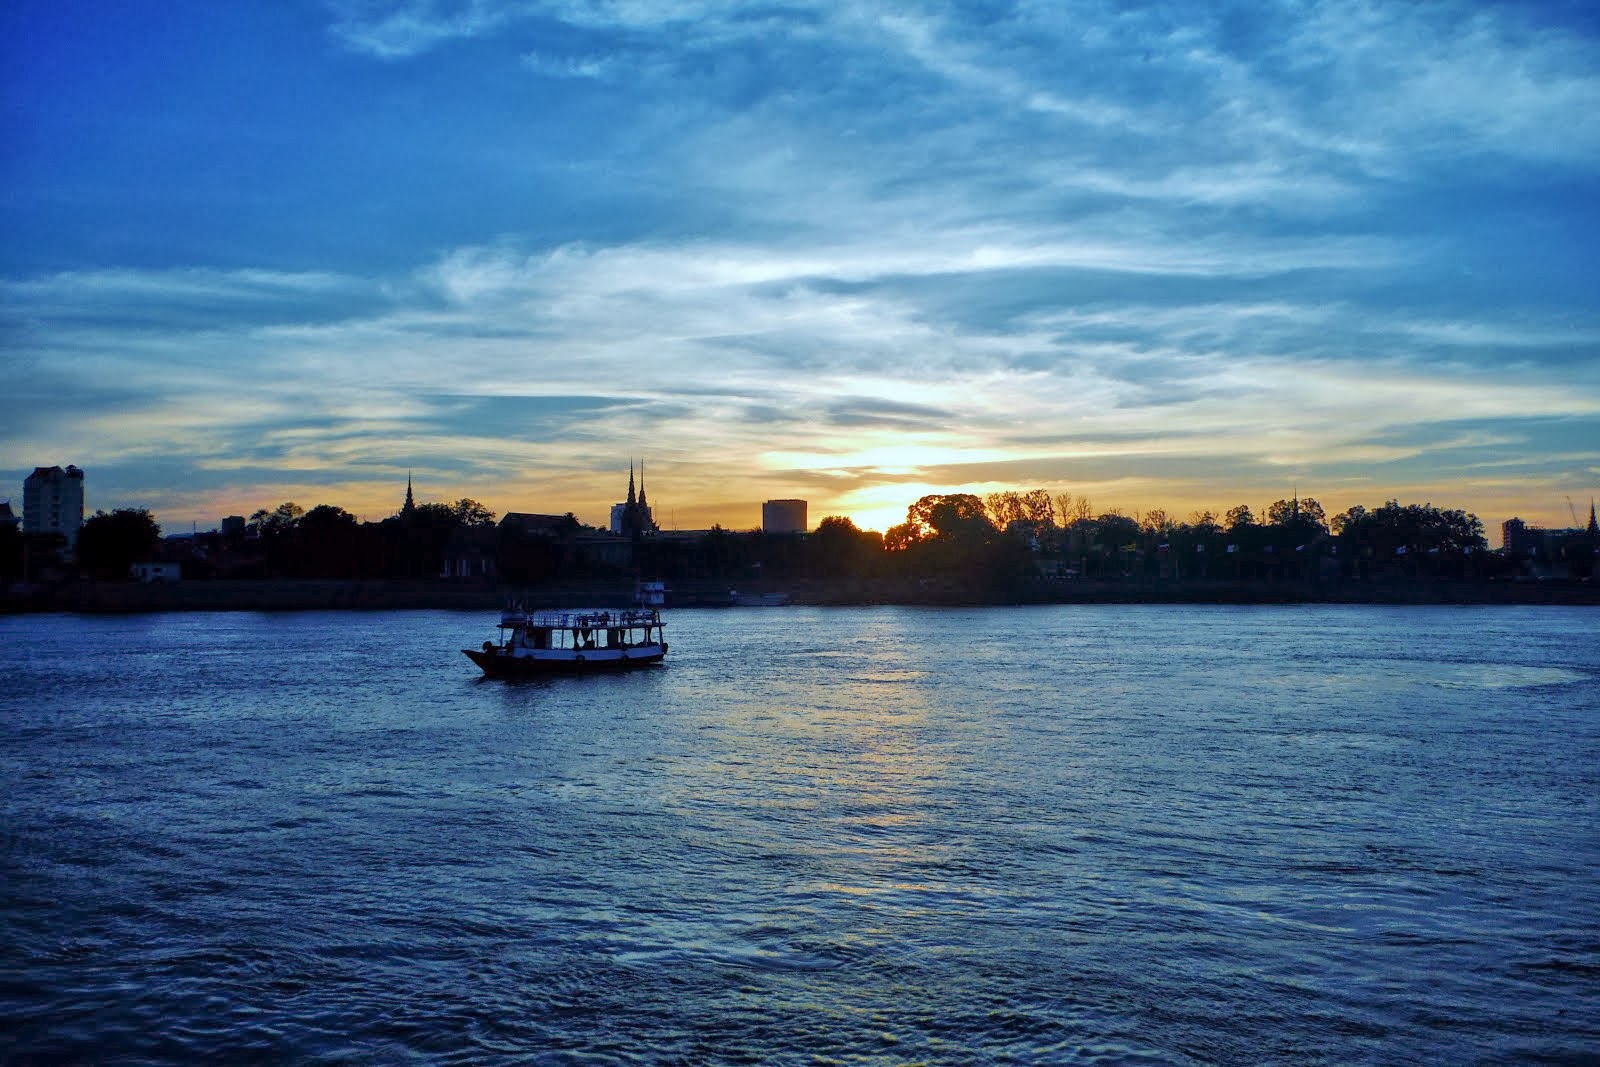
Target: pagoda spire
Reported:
[(632, 501), (1594, 527), (642, 504), (410, 504)]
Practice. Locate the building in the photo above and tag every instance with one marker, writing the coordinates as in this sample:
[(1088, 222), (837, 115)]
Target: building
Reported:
[(1537, 542), (1555, 553), (157, 572), (783, 516), (7, 516), (52, 503), (632, 517), (471, 552)]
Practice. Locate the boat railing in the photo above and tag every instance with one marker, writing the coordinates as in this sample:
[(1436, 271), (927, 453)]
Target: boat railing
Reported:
[(599, 619)]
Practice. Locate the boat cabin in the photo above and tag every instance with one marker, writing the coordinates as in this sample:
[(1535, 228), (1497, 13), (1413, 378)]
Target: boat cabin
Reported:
[(582, 630)]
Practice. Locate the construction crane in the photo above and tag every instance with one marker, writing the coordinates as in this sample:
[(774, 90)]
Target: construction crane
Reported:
[(1573, 512)]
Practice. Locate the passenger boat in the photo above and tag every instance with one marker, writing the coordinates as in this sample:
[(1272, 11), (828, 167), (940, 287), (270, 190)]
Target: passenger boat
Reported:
[(757, 600), (553, 642)]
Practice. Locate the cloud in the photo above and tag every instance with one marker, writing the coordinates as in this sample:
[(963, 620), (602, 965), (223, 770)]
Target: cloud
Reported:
[(815, 365), (813, 245), (408, 28)]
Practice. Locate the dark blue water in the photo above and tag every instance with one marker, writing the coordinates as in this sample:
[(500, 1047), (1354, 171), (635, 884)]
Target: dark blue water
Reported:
[(1075, 834)]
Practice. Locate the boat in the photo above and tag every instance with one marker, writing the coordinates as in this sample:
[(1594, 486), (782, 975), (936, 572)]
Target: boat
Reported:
[(572, 642), (757, 600)]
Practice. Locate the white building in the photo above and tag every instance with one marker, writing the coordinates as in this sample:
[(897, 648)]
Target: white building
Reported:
[(52, 503), (157, 572), (783, 516)]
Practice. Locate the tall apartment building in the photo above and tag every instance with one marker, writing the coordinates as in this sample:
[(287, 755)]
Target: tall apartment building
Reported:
[(783, 516), (52, 502)]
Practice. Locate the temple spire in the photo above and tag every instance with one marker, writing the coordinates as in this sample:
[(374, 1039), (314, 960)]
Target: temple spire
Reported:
[(632, 500), (642, 504), (1594, 527), (410, 504)]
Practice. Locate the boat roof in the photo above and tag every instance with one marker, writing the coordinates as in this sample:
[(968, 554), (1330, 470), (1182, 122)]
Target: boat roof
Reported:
[(584, 618)]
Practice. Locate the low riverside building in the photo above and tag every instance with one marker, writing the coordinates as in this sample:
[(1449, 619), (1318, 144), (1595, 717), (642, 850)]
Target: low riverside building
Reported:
[(157, 572), (471, 552)]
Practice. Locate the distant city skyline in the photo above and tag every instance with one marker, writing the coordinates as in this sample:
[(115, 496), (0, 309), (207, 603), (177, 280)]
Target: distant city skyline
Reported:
[(1170, 257)]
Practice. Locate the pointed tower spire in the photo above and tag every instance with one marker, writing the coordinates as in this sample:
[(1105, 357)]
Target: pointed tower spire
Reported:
[(632, 500), (1594, 527), (642, 504), (410, 504)]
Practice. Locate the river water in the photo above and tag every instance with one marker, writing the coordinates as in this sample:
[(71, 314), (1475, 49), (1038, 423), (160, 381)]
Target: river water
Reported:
[(1108, 834)]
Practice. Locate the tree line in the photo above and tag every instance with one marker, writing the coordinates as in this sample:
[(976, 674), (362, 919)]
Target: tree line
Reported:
[(282, 542), (1294, 537), (1001, 537)]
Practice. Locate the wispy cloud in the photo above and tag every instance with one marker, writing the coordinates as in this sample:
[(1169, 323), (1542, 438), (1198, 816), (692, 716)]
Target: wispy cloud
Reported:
[(846, 250), (406, 28)]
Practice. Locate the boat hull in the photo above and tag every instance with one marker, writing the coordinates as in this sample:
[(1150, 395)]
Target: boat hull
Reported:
[(498, 664)]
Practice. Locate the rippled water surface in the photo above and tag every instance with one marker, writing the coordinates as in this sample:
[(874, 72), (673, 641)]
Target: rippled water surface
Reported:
[(1083, 834)]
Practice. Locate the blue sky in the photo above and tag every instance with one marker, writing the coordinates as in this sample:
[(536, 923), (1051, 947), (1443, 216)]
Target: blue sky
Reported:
[(1179, 256)]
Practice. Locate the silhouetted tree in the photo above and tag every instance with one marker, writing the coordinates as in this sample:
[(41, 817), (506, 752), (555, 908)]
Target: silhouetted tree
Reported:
[(469, 512), (1157, 523), (279, 521), (275, 532), (1409, 539), (1038, 508), (110, 544), (1003, 508), (952, 534), (837, 548), (327, 544), (1303, 515), (1116, 543), (1030, 515), (424, 534)]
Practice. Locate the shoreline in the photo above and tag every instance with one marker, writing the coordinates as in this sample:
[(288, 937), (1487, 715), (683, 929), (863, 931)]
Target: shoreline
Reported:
[(392, 595)]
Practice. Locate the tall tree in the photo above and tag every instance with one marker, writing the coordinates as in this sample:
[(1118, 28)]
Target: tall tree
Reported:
[(1157, 523), (1038, 508), (278, 521), (110, 544), (1003, 508), (1081, 512), (469, 512), (1301, 513), (837, 547), (326, 544), (1064, 508)]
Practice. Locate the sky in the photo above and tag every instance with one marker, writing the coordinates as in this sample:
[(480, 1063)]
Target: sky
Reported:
[(1169, 255)]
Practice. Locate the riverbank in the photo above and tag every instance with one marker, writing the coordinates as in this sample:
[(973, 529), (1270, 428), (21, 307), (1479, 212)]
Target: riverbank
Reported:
[(131, 597)]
